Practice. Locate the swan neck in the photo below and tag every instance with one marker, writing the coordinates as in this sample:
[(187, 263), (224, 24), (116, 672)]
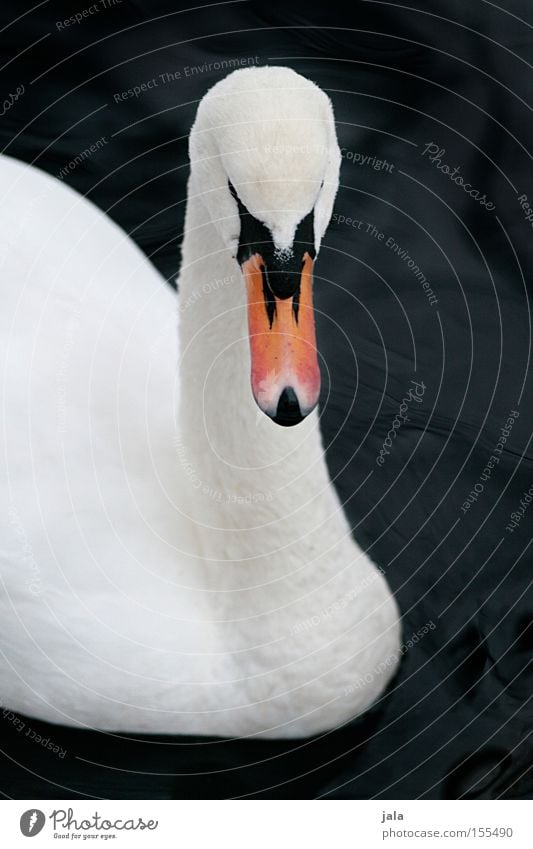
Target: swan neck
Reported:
[(238, 462)]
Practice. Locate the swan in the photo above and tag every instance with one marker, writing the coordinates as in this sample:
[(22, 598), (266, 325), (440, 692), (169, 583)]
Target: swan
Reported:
[(174, 557)]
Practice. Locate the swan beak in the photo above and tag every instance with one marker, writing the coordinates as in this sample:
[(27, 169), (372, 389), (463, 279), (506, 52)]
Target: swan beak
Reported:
[(285, 372)]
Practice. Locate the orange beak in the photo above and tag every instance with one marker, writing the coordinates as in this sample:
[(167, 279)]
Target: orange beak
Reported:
[(285, 373)]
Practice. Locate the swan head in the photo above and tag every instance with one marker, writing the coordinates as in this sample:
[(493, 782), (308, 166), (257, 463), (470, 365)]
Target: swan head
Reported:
[(266, 161)]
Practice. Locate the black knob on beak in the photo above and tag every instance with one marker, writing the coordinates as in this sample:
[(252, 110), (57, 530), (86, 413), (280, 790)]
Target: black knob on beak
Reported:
[(288, 412), (286, 283)]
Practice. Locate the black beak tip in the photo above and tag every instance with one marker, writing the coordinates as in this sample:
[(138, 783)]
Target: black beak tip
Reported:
[(288, 412)]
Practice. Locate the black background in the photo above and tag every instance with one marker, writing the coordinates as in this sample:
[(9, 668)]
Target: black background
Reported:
[(458, 718)]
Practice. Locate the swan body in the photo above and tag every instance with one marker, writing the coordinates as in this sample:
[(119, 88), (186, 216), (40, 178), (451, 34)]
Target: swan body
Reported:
[(172, 560)]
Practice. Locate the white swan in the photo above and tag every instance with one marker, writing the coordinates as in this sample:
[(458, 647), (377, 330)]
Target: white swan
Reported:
[(192, 575)]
